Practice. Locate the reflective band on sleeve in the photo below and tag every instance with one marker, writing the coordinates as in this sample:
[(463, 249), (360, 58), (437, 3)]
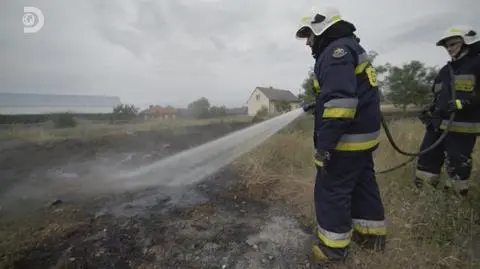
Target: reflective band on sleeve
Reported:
[(369, 227), (334, 240), (461, 127), (364, 65), (465, 83), (343, 102), (353, 142), (437, 87), (340, 108), (363, 62), (316, 86)]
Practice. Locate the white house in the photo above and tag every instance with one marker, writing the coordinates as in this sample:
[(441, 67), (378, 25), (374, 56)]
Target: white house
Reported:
[(31, 103), (268, 97)]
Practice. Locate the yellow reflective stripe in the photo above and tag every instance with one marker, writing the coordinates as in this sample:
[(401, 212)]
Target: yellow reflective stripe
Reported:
[(361, 67), (316, 86), (353, 142), (371, 75), (305, 19), (339, 112), (458, 104), (426, 176), (369, 227), (340, 108), (464, 83), (364, 65), (335, 18), (318, 163), (334, 240), (454, 30), (363, 62), (318, 254), (342, 243), (461, 127)]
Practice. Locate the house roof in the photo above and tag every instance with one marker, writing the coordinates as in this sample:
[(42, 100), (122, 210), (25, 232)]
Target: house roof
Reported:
[(160, 110), (277, 94)]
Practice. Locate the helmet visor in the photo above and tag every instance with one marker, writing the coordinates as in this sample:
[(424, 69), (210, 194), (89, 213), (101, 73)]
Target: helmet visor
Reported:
[(303, 32)]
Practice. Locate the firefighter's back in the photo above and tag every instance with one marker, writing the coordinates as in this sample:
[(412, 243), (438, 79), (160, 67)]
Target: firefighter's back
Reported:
[(363, 133)]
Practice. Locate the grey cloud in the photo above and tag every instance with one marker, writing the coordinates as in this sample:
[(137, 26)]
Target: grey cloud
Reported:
[(173, 51), (430, 28)]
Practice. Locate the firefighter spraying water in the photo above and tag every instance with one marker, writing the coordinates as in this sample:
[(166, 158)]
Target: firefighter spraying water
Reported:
[(346, 131)]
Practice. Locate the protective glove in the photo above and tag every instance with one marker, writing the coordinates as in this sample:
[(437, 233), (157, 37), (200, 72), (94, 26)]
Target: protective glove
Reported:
[(425, 116), (431, 120), (320, 157)]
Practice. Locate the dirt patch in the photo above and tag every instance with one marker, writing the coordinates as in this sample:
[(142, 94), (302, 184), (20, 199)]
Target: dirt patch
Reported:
[(222, 231), (207, 225)]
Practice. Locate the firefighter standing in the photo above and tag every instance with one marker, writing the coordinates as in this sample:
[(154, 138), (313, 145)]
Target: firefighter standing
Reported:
[(347, 126), (456, 149)]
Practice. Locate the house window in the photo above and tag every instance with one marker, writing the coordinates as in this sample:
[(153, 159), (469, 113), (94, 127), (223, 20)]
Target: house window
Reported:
[(258, 97)]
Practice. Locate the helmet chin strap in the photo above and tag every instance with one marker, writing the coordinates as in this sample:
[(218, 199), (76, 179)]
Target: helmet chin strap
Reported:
[(461, 52), (316, 49)]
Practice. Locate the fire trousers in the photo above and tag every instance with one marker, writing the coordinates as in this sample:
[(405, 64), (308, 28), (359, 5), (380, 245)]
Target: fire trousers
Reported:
[(455, 151), (348, 206)]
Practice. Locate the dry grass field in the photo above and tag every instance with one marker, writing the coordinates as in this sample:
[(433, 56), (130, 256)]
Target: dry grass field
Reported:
[(427, 229)]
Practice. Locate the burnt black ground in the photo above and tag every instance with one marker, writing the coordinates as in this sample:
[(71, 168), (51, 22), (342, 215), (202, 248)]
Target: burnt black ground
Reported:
[(207, 225)]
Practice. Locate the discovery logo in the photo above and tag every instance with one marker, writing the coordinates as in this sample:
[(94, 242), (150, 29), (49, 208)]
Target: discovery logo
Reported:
[(33, 20)]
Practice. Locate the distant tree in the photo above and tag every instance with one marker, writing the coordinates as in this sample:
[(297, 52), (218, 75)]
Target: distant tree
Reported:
[(124, 112), (372, 55), (282, 106), (308, 95), (217, 111), (380, 71), (409, 84), (64, 120), (199, 108)]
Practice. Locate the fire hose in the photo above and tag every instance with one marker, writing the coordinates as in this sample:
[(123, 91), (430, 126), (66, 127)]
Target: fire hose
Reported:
[(414, 155)]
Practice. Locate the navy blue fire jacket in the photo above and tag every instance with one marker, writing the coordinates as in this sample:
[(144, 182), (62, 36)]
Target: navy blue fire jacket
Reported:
[(347, 111), (466, 79)]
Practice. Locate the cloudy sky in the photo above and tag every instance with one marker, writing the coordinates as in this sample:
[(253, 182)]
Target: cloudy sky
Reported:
[(175, 51)]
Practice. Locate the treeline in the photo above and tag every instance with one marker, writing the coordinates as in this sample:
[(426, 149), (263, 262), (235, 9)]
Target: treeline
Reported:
[(123, 112), (401, 86), (199, 109), (202, 109)]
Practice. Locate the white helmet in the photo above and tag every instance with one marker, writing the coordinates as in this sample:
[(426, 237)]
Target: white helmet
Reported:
[(318, 22), (466, 32)]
